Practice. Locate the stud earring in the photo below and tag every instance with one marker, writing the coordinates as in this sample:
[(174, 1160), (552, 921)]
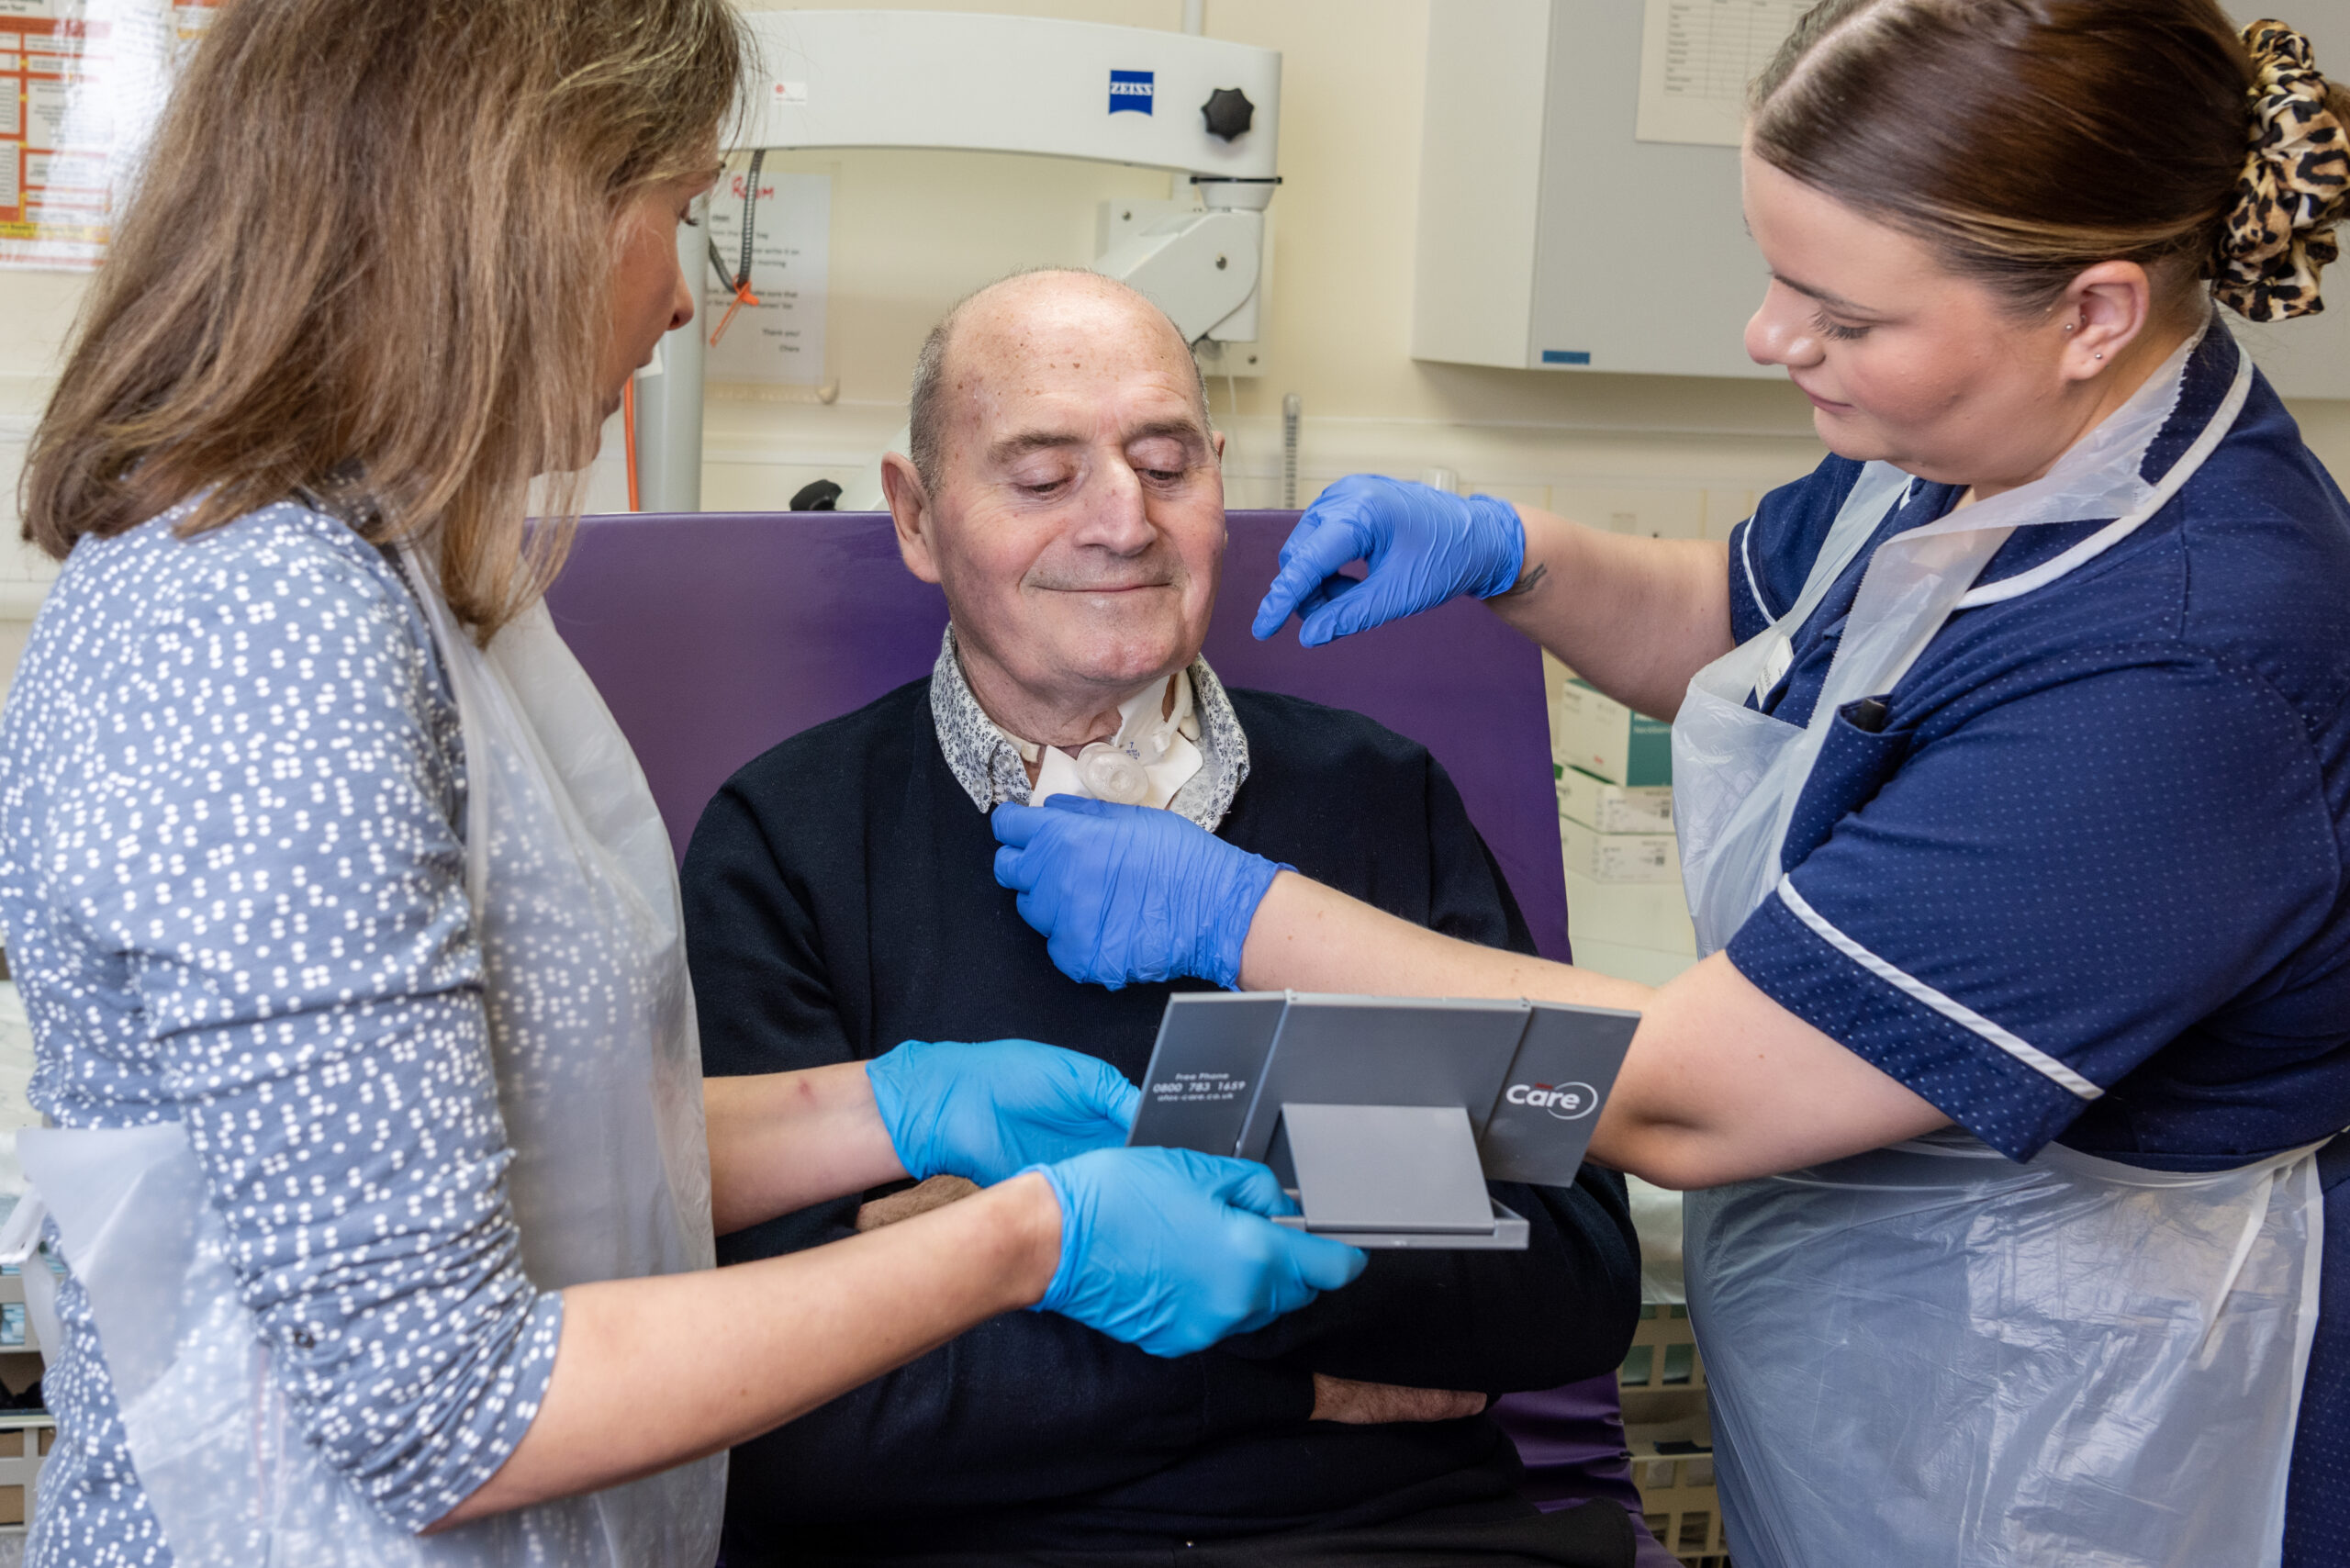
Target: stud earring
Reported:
[(2100, 357), (2070, 325)]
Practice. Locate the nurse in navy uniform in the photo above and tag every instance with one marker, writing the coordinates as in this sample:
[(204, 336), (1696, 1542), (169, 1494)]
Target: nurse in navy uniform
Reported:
[(2012, 777)]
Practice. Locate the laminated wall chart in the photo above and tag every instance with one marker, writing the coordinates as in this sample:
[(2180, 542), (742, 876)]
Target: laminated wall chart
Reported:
[(82, 82), (779, 341), (1696, 58)]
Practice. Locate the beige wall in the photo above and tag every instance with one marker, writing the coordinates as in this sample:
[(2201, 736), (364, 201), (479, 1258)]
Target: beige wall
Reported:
[(35, 309), (913, 230)]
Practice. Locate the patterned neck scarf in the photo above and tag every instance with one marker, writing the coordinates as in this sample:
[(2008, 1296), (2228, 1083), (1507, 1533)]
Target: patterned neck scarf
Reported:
[(987, 762)]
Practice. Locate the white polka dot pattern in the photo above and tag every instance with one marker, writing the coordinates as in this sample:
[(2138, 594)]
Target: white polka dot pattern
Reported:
[(231, 873)]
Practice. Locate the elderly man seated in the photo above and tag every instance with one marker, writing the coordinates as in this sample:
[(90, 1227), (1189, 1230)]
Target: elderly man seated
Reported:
[(1064, 490)]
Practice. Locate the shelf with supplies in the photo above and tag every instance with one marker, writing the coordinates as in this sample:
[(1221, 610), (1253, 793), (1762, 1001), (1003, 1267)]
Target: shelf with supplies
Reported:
[(1625, 916), (1647, 859), (1644, 917), (1593, 734), (26, 1438), (1670, 1438), (26, 1430), (1611, 808)]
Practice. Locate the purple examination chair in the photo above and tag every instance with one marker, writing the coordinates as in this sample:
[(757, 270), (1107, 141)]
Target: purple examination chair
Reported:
[(715, 635)]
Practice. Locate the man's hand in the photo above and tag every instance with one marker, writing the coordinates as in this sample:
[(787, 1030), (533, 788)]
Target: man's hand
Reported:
[(1356, 1404), (935, 1193)]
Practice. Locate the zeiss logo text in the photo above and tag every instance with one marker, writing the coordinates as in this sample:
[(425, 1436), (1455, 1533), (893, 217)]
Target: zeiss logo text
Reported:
[(1130, 91), (1568, 1102)]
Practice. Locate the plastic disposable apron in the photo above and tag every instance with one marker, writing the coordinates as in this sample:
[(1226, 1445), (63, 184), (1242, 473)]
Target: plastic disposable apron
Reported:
[(568, 871), (1930, 1354)]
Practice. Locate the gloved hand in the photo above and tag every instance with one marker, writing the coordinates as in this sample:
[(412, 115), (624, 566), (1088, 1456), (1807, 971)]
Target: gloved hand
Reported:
[(1168, 1249), (1424, 546), (1128, 893), (990, 1111)]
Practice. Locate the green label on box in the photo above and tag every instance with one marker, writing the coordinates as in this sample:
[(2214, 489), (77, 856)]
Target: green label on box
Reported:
[(1650, 758)]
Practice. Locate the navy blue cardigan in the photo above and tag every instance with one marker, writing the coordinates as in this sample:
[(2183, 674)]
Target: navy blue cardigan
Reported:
[(839, 898)]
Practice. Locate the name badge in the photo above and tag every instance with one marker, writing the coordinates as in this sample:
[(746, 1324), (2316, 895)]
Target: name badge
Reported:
[(1778, 657)]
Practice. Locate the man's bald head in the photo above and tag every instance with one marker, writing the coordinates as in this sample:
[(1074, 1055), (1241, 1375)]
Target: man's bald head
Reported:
[(1002, 306), (1067, 491)]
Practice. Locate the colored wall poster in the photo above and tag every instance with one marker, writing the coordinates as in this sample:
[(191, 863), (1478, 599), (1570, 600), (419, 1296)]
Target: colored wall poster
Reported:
[(81, 84), (779, 341)]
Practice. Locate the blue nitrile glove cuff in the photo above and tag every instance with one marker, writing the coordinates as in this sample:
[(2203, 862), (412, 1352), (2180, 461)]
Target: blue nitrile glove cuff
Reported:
[(1076, 1226), (1230, 908), (1504, 536), (988, 1108), (1171, 1250)]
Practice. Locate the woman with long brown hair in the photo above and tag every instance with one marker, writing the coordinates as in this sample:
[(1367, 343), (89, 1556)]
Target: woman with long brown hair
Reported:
[(2012, 778), (377, 1167)]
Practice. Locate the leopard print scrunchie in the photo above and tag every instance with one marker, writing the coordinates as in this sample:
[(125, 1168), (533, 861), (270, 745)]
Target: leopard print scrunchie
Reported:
[(2294, 188)]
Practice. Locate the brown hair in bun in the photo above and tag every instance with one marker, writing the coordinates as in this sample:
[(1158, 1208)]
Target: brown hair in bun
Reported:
[(2026, 140)]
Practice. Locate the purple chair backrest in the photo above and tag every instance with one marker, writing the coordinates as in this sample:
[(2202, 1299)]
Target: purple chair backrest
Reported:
[(714, 635)]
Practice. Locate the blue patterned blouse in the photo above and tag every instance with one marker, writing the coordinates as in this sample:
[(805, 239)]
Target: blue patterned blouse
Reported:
[(231, 880)]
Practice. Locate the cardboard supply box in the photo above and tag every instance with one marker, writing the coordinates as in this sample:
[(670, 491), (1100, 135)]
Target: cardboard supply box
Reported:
[(1614, 808), (1608, 741), (1619, 857), (26, 1438), (1652, 915)]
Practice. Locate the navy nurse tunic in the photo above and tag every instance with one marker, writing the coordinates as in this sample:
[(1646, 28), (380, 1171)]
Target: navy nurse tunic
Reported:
[(2102, 839)]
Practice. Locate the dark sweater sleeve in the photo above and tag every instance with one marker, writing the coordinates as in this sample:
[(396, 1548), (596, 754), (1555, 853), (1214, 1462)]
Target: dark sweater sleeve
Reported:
[(760, 987), (988, 1420), (1494, 1322)]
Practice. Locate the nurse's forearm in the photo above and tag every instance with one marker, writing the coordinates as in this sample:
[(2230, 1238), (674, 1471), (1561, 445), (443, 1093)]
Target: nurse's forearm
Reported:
[(781, 1141), (1721, 1084), (738, 1351), (1635, 617), (1306, 937)]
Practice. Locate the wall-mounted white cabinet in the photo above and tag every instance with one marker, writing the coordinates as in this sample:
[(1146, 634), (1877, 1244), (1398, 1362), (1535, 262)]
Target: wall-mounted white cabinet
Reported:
[(1553, 237), (1548, 237)]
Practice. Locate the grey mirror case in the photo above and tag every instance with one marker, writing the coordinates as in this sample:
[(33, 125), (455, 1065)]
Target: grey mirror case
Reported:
[(1387, 1117)]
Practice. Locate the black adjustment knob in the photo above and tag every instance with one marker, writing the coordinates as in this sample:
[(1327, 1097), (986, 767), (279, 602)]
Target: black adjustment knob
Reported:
[(1228, 113), (819, 495)]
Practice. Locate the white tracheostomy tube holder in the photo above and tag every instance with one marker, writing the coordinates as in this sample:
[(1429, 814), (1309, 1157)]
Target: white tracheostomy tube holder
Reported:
[(1151, 758), (593, 1039), (1930, 1354)]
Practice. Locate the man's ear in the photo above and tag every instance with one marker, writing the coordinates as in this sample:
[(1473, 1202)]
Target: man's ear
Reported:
[(1216, 437), (910, 513)]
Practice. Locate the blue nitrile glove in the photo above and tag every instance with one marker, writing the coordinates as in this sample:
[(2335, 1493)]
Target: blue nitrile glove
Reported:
[(1128, 893), (1169, 1250), (1424, 546), (990, 1111)]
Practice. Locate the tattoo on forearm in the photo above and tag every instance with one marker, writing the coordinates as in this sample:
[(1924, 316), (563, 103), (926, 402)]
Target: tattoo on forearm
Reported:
[(1527, 581)]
